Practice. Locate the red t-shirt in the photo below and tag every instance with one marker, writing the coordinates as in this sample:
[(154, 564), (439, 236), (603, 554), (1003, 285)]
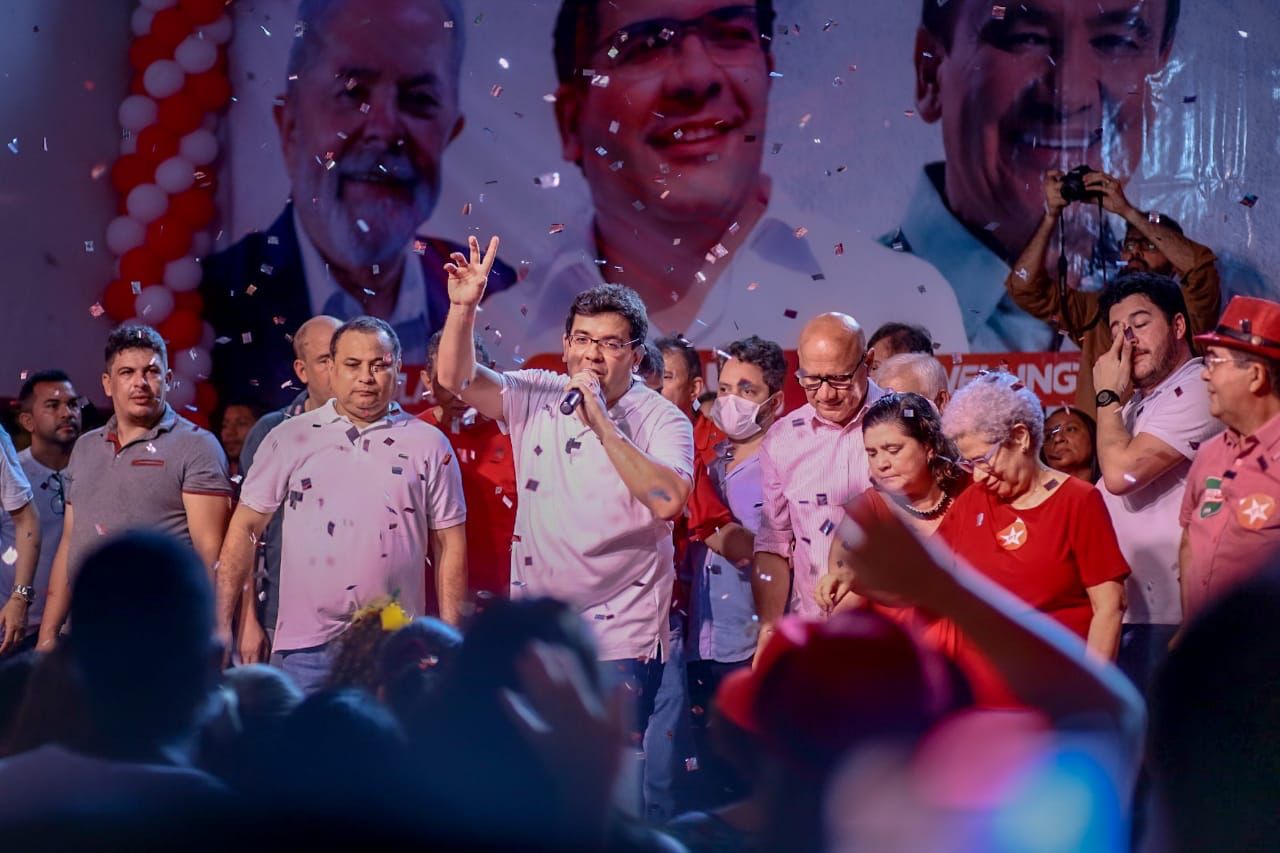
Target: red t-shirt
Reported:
[(489, 486), (1047, 555)]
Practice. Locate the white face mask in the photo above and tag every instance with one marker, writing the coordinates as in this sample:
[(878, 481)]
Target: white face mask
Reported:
[(736, 416)]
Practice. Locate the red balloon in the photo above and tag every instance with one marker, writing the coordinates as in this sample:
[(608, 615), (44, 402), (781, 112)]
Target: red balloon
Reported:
[(202, 11), (168, 237), (156, 144), (210, 89), (137, 86), (118, 300), (146, 50), (180, 114), (141, 265), (191, 301), (169, 27), (193, 207), (129, 171), (181, 329)]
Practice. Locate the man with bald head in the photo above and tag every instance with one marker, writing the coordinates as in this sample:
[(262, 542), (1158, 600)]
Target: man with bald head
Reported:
[(812, 463), (312, 363), (370, 106), (915, 373)]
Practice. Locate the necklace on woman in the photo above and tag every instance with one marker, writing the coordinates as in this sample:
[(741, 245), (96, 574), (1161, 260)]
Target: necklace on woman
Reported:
[(933, 512)]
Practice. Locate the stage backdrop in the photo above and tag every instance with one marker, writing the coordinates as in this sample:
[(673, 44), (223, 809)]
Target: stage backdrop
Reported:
[(1194, 133)]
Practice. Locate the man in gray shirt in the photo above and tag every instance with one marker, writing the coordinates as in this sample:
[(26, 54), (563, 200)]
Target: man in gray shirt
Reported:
[(15, 500), (147, 468)]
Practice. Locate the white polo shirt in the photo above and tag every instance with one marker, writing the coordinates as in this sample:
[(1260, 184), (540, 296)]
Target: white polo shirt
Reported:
[(580, 535), (1146, 521), (358, 507)]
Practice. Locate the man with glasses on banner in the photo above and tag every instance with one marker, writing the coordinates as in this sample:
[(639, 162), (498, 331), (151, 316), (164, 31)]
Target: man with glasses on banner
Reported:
[(604, 465), (663, 105), (49, 411), (812, 463)]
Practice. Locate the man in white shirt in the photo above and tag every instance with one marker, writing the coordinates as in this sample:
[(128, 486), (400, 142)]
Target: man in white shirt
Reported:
[(50, 413), (663, 104), (369, 491), (604, 466), (16, 502), (1145, 448)]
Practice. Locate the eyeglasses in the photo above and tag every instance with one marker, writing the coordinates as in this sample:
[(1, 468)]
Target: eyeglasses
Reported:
[(59, 500), (730, 35), (983, 461), (1213, 362), (1132, 246), (838, 381), (613, 346)]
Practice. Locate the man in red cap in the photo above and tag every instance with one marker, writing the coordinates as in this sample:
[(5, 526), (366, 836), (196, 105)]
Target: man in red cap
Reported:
[(1231, 510)]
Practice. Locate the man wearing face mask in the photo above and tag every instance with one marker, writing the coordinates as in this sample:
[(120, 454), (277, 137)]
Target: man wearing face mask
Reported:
[(722, 613)]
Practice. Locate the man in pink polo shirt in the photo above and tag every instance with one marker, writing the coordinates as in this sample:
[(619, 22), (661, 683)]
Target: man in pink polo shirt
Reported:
[(1231, 510)]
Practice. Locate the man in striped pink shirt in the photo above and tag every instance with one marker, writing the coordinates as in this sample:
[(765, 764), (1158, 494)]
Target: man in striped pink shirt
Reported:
[(812, 463)]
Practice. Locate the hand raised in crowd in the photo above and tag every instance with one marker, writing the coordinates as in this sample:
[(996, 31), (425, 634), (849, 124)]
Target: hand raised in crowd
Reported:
[(578, 738), (468, 277), (592, 412), (884, 560), (1111, 189), (1114, 368), (1053, 200)]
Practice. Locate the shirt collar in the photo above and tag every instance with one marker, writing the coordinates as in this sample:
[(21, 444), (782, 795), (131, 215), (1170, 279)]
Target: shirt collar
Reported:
[(1264, 436), (327, 297), (298, 406), (328, 413), (168, 420)]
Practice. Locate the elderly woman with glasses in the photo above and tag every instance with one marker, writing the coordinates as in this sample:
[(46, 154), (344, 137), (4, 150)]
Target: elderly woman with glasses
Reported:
[(1046, 537)]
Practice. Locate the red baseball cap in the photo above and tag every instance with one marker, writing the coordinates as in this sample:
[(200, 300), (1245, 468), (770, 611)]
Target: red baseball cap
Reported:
[(1249, 324), (819, 688)]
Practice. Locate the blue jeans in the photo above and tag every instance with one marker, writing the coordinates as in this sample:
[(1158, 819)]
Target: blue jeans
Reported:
[(1142, 648), (668, 739), (640, 679), (307, 667)]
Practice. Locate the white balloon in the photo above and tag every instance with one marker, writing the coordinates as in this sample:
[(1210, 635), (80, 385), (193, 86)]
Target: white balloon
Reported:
[(182, 275), (154, 304), (196, 55), (201, 244), (175, 175), (218, 32), (146, 202), (162, 78), (125, 233), (136, 112), (181, 394), (140, 21), (156, 5), (200, 147), (194, 363)]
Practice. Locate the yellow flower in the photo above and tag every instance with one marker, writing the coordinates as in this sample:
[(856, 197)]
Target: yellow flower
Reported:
[(394, 617)]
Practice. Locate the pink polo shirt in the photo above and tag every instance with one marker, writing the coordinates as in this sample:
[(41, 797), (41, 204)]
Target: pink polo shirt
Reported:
[(810, 468), (1231, 511)]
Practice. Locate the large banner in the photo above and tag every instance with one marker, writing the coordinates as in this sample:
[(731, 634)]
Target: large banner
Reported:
[(743, 166)]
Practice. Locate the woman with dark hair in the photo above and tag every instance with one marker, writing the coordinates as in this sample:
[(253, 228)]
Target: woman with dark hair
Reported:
[(912, 472), (1070, 444)]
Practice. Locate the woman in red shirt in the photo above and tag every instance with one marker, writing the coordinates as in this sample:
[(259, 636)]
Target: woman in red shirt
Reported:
[(1044, 536)]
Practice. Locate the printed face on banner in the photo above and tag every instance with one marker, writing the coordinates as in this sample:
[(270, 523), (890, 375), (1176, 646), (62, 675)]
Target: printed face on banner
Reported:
[(683, 110), (365, 124), (1045, 84)]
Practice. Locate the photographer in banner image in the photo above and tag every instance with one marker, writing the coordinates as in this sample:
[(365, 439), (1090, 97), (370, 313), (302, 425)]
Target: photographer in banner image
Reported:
[(1152, 243)]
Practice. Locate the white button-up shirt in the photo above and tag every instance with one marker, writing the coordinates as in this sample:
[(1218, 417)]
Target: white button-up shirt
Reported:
[(359, 504), (580, 535), (771, 285), (811, 467)]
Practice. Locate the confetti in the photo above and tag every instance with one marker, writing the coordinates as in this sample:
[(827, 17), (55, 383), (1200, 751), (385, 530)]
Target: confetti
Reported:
[(548, 181), (503, 63), (800, 232), (363, 226), (556, 228), (1188, 99), (10, 556), (96, 310), (600, 81), (13, 145), (532, 485), (839, 248), (753, 285), (88, 246), (613, 126), (827, 527), (997, 12), (790, 314), (496, 90), (1249, 200)]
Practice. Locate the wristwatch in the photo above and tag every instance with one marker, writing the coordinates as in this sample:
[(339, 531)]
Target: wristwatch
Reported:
[(24, 591), (1106, 397)]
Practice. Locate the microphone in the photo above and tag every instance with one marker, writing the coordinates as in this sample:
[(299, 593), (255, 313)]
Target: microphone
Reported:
[(571, 401)]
